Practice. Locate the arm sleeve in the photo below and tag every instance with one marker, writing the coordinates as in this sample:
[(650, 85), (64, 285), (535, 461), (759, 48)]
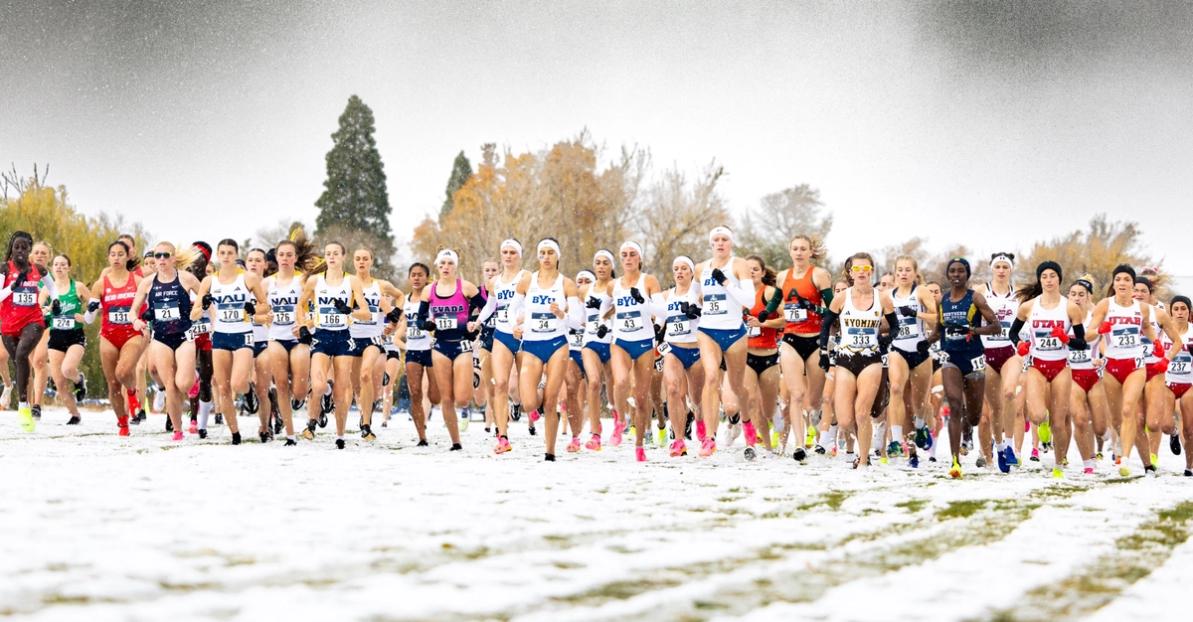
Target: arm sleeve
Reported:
[(575, 316), (773, 304), (1017, 326), (5, 293), (826, 295), (826, 325), (488, 310), (477, 301), (89, 316), (516, 308), (742, 292), (1079, 331)]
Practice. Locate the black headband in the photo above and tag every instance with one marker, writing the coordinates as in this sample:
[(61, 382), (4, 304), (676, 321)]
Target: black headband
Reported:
[(1049, 265)]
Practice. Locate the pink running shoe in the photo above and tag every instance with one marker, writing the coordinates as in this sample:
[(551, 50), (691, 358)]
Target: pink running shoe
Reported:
[(535, 416), (594, 443), (701, 433), (177, 435), (503, 445), (678, 448), (640, 454), (618, 430), (574, 446), (1088, 470), (708, 447), (194, 429), (750, 433)]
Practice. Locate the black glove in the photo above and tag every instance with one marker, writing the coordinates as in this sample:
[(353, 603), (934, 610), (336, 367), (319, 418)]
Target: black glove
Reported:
[(1078, 343), (427, 324), (957, 328), (207, 300), (659, 331), (250, 307), (908, 311), (592, 303), (602, 330), (55, 307), (824, 359), (342, 307), (923, 347), (92, 306), (304, 333), (718, 276), (394, 316), (146, 315), (22, 276), (637, 296), (690, 310)]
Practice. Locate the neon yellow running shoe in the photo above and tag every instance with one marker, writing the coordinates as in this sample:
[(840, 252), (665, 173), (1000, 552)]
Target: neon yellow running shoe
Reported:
[(662, 437), (633, 432), (955, 470), (1045, 432), (1124, 471), (810, 438), (1057, 473), (25, 415), (1155, 460), (774, 438)]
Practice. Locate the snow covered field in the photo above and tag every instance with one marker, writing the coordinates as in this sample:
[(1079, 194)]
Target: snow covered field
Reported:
[(103, 528)]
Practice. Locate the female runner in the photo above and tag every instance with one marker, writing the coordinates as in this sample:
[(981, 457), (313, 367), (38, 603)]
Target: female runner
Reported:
[(120, 343), (21, 317), (908, 361), (258, 395), (633, 340), (961, 316), (682, 373), (67, 342), (168, 293), (1003, 364), (598, 335), (288, 355), (505, 345), (39, 361), (1179, 376), (574, 383), (726, 290), (451, 301), (546, 306), (1123, 322), (418, 351), (231, 297), (1088, 404), (859, 312), (1049, 318), (368, 363), (763, 326)]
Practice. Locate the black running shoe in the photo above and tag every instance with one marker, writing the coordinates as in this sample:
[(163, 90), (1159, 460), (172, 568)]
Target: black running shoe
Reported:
[(515, 411), (169, 424), (339, 443), (687, 426), (219, 418), (800, 455), (323, 420), (1174, 443), (290, 442), (749, 453), (366, 432), (456, 447), (327, 401), (236, 438), (548, 457), (81, 388), (530, 428), (202, 432), (251, 403), (1188, 472), (297, 404), (273, 400), (74, 420), (422, 443), (265, 436), (277, 424), (820, 450)]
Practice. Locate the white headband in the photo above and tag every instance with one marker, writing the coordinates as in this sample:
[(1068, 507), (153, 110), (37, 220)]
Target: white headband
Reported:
[(603, 253), (585, 274), (720, 230), (1002, 257), (630, 244), (447, 253), (549, 244), (684, 259), (512, 243)]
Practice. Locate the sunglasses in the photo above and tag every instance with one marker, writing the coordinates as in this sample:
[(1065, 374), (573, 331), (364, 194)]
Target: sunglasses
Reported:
[(161, 255), (861, 269)]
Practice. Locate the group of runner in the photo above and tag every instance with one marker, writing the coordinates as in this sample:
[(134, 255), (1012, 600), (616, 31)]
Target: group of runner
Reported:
[(799, 358)]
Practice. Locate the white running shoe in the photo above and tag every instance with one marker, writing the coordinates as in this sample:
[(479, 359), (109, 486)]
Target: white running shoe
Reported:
[(6, 397)]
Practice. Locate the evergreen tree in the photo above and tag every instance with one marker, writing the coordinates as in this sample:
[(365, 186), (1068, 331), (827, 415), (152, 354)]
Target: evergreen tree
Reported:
[(461, 171), (354, 196)]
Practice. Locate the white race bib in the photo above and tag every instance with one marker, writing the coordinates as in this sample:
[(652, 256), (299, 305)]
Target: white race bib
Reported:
[(978, 363), (445, 322), (231, 315), (24, 299), (64, 323), (794, 314), (119, 316), (283, 318), (167, 314), (680, 328)]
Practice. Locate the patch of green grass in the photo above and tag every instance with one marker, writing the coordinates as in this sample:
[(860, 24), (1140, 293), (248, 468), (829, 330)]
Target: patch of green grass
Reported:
[(912, 505), (961, 509)]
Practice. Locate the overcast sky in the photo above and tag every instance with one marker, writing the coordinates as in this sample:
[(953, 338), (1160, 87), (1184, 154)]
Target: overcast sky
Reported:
[(988, 124)]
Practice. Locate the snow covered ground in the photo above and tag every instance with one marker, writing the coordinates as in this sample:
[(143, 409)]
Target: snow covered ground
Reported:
[(106, 528)]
